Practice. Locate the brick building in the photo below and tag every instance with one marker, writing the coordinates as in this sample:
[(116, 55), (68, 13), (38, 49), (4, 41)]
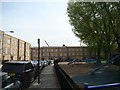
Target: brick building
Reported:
[(12, 48), (1, 35), (60, 52)]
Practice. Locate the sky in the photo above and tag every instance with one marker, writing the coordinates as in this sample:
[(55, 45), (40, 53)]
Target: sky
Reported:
[(30, 20)]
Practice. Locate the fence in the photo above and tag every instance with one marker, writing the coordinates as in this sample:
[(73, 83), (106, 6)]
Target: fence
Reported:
[(65, 81), (102, 86)]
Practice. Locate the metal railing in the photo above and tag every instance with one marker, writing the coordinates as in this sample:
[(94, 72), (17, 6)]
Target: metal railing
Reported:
[(87, 87), (65, 81)]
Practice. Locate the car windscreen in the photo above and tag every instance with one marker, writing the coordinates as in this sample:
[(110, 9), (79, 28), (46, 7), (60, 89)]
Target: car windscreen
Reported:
[(7, 81), (13, 67)]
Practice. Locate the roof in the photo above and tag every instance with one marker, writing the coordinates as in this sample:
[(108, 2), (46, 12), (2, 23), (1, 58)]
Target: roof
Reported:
[(61, 47), (20, 62)]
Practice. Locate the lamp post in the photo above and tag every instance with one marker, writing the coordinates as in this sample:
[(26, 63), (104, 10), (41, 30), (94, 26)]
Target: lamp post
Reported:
[(9, 31), (2, 39), (38, 61)]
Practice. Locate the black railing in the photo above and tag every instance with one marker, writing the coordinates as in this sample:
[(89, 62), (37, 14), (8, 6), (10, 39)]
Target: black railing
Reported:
[(105, 86), (65, 81)]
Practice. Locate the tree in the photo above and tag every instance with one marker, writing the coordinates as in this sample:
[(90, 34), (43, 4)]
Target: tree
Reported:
[(96, 24)]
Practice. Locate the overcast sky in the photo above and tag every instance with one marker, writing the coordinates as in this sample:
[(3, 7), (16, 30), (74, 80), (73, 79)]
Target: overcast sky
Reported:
[(46, 20)]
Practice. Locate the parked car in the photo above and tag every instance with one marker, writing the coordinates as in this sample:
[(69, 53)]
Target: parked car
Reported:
[(35, 67), (0, 66), (8, 83), (20, 70), (43, 63), (52, 61)]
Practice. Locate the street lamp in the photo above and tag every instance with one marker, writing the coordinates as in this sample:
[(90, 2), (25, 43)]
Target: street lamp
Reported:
[(2, 39), (9, 31), (38, 61)]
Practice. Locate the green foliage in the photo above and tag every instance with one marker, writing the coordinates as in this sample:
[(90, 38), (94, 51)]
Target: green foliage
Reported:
[(97, 24)]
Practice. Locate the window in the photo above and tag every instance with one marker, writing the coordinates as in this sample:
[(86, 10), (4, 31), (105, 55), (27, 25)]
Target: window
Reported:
[(8, 42), (65, 50), (43, 54), (56, 50), (0, 45), (60, 54), (73, 53), (85, 49), (73, 49), (65, 54), (13, 42), (86, 53), (60, 50), (69, 49), (77, 49), (35, 55), (81, 53), (77, 53), (34, 50), (51, 54), (0, 36), (12, 51), (4, 50), (43, 50), (81, 49), (55, 54), (51, 50), (0, 50), (4, 41), (27, 46), (69, 53), (47, 54), (47, 50)]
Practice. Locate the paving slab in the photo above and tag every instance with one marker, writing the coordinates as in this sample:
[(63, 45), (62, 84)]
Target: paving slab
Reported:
[(48, 79)]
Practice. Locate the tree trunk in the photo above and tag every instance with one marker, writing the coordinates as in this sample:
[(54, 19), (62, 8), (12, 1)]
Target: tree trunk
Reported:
[(119, 48), (98, 56), (118, 42)]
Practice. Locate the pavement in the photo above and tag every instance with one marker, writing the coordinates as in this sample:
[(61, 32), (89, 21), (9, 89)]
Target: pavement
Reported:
[(48, 79)]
